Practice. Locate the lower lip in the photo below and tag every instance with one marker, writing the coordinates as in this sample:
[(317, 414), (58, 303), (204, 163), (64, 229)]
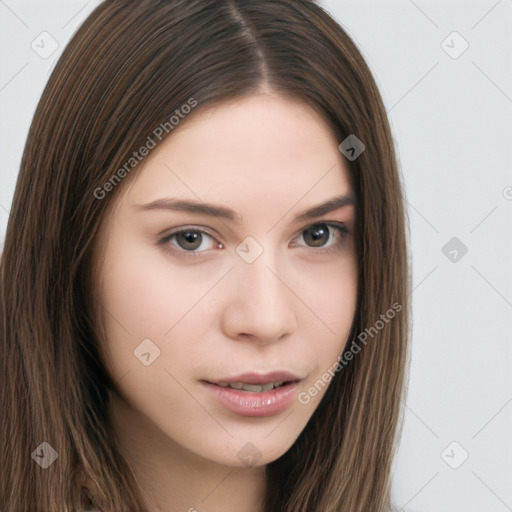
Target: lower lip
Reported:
[(246, 403)]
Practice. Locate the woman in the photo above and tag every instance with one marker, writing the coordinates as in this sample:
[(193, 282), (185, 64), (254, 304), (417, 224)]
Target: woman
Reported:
[(205, 280)]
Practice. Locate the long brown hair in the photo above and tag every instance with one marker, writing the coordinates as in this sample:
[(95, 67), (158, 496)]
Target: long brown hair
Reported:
[(124, 73)]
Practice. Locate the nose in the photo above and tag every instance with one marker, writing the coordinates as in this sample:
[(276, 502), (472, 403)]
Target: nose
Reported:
[(260, 305)]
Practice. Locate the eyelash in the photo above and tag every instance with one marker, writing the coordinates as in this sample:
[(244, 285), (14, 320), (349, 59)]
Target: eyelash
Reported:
[(340, 228)]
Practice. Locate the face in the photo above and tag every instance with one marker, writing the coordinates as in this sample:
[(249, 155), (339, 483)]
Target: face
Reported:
[(221, 319)]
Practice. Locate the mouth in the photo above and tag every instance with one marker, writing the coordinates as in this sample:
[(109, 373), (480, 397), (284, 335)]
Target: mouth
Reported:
[(253, 388), (257, 382), (255, 394)]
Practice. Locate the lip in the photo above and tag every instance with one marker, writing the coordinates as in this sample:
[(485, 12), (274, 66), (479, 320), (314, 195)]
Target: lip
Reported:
[(259, 378), (244, 403), (256, 404)]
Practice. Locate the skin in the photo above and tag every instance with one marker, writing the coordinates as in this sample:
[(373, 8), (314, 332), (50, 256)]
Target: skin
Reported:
[(213, 314)]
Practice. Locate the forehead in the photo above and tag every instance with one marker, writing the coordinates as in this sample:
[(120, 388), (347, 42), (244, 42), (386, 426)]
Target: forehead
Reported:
[(260, 149)]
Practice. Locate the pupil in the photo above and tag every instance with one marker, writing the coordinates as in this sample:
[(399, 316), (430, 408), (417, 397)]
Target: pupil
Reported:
[(189, 237), (316, 233)]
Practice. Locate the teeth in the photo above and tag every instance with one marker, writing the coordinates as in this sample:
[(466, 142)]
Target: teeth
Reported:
[(254, 388)]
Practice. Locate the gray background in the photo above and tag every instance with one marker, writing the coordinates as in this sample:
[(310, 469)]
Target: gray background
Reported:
[(451, 115)]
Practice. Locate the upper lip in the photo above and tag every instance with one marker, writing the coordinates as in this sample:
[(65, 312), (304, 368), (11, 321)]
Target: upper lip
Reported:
[(259, 378)]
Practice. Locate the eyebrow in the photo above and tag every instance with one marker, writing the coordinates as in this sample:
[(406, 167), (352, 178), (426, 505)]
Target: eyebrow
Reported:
[(228, 214)]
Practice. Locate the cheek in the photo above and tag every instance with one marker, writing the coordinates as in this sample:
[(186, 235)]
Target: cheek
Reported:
[(144, 296), (340, 305), (143, 301), (145, 293), (331, 294)]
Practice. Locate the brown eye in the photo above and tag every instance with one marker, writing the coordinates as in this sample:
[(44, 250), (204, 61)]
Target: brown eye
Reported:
[(189, 240), (317, 235), (325, 237)]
